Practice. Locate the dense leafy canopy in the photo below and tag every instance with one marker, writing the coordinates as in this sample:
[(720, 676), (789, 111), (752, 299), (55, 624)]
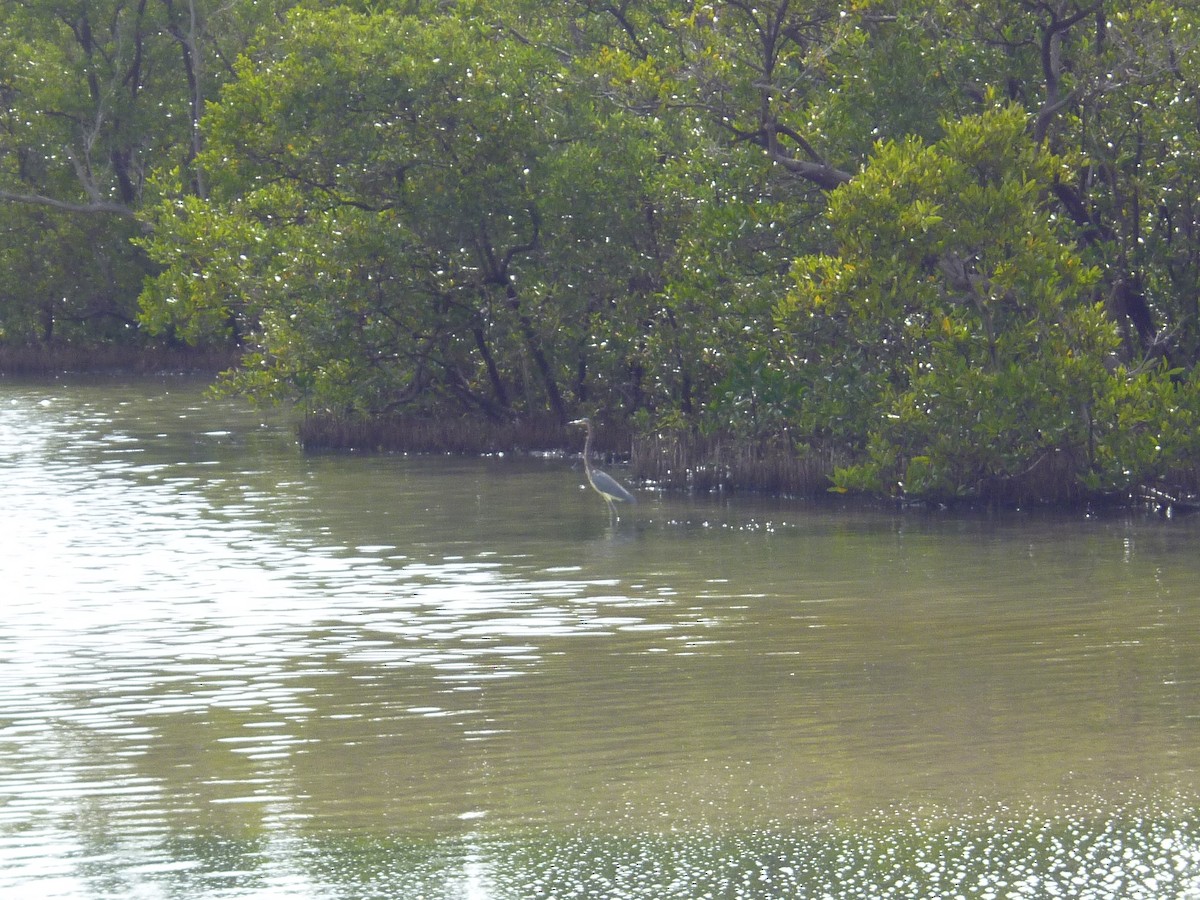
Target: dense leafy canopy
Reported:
[(957, 244)]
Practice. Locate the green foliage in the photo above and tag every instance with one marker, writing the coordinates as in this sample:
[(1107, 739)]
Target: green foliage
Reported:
[(1146, 430), (957, 243), (94, 96), (433, 214), (956, 331), (81, 297)]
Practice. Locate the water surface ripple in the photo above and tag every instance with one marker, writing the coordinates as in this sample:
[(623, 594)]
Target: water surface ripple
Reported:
[(231, 670)]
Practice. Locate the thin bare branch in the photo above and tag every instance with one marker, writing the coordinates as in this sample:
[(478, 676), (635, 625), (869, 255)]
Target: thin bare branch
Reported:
[(98, 206)]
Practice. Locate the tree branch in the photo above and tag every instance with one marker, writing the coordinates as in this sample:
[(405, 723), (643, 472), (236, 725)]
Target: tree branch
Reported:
[(1052, 68), (99, 206), (823, 176), (814, 169)]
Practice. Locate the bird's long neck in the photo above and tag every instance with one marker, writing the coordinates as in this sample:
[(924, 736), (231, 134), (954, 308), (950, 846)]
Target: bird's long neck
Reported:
[(587, 451)]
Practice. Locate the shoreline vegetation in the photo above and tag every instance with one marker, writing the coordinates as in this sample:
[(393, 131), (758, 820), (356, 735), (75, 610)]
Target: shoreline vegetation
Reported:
[(672, 459), (770, 246), (682, 459)]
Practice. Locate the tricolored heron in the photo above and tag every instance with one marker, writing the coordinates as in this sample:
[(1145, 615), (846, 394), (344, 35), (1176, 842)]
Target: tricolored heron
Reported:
[(602, 483)]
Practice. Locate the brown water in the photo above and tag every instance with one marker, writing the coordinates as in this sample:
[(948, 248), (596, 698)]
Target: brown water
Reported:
[(230, 670)]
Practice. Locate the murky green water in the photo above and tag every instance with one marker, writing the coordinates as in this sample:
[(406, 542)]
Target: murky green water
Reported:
[(230, 670)]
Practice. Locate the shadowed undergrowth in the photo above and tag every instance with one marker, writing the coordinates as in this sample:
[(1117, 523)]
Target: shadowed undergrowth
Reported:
[(57, 359)]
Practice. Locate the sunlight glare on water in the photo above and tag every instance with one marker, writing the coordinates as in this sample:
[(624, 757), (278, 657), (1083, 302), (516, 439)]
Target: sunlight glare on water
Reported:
[(232, 670)]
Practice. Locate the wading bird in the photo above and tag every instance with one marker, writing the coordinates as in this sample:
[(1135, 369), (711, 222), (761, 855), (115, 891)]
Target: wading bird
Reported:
[(602, 483)]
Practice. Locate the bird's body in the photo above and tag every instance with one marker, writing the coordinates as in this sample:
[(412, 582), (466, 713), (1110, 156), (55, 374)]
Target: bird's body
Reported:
[(602, 483)]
